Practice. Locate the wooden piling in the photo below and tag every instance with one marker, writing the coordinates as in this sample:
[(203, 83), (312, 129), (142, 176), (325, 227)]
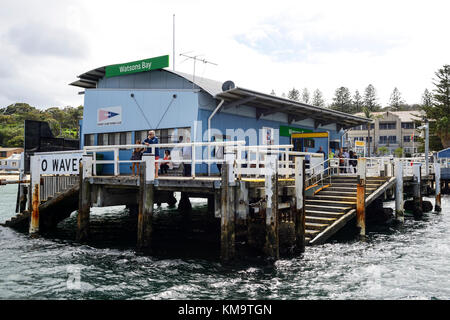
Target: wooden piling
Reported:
[(399, 211), (361, 197), (84, 203), (35, 194), (300, 217), (271, 246), (227, 234), (146, 202), (417, 192), (437, 183)]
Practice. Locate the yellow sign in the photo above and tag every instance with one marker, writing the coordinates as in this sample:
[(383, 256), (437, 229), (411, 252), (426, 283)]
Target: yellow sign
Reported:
[(310, 135), (360, 143)]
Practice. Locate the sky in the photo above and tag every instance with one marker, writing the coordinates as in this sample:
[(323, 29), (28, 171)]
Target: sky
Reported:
[(259, 45)]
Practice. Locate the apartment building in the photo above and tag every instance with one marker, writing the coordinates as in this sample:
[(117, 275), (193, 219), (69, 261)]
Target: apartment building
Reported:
[(391, 130)]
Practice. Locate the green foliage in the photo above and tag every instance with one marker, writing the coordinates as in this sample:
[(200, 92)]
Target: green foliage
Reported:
[(398, 152), (396, 102), (342, 100), (318, 99), (439, 110), (383, 150), (370, 98), (294, 94), (63, 122)]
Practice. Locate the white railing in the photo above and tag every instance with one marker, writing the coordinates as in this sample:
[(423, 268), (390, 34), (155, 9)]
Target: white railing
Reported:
[(116, 161), (250, 160)]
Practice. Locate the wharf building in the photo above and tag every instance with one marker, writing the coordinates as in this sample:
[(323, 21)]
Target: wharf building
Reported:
[(122, 102)]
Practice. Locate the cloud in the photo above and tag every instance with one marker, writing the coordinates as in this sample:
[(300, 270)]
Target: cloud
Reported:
[(43, 40), (296, 40)]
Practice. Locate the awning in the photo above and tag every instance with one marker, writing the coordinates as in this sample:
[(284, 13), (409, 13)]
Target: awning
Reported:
[(266, 104)]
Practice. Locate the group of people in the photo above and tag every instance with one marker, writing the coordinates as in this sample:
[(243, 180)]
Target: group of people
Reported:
[(347, 160), (165, 165)]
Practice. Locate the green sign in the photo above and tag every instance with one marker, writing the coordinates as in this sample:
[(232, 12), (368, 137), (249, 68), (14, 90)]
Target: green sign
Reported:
[(137, 66), (286, 131)]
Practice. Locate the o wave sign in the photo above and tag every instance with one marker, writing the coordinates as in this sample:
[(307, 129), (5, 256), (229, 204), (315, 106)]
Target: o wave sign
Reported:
[(109, 116)]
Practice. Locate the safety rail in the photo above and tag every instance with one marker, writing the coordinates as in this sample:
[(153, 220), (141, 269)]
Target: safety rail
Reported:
[(250, 160), (116, 161)]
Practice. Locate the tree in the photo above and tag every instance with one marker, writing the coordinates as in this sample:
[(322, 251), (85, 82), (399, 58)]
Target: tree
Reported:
[(358, 102), (273, 93), (294, 94), (318, 99), (440, 108), (383, 150), (305, 95), (427, 99), (370, 98), (342, 100), (396, 101), (398, 152)]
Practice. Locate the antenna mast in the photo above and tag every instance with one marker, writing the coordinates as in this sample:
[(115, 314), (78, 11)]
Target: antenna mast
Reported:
[(173, 67), (195, 58)]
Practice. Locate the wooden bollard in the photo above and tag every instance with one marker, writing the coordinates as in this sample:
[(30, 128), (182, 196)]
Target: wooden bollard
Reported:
[(361, 197), (417, 192), (399, 211), (35, 194), (271, 246), (300, 218), (437, 182), (146, 202), (84, 199), (227, 221)]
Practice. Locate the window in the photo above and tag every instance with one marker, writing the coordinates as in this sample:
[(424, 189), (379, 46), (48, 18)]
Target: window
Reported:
[(125, 138), (392, 139), (364, 126), (406, 138), (408, 125), (387, 125), (3, 154), (171, 135), (367, 138), (102, 139), (88, 139), (383, 139)]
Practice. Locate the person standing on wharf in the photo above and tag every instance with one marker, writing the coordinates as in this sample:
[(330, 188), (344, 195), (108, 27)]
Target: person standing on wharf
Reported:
[(152, 139)]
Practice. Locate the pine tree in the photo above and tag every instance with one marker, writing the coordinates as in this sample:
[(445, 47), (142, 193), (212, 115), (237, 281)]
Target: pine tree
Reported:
[(273, 93), (440, 109), (427, 99), (342, 100), (396, 101), (318, 99), (370, 98), (358, 102), (305, 95), (294, 94)]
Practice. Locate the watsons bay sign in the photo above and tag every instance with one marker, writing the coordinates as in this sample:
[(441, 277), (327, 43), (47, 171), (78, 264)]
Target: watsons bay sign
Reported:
[(137, 66), (60, 163)]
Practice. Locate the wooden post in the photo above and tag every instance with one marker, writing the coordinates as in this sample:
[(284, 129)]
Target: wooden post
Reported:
[(227, 234), (437, 183), (84, 199), (271, 247), (399, 212), (300, 204), (361, 197), (35, 194), (417, 195), (146, 201)]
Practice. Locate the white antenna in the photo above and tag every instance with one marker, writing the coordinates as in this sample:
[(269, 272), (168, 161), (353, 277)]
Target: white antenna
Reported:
[(195, 58), (173, 42)]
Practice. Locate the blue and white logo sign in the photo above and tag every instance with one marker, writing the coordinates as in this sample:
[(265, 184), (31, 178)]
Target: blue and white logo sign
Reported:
[(109, 116)]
